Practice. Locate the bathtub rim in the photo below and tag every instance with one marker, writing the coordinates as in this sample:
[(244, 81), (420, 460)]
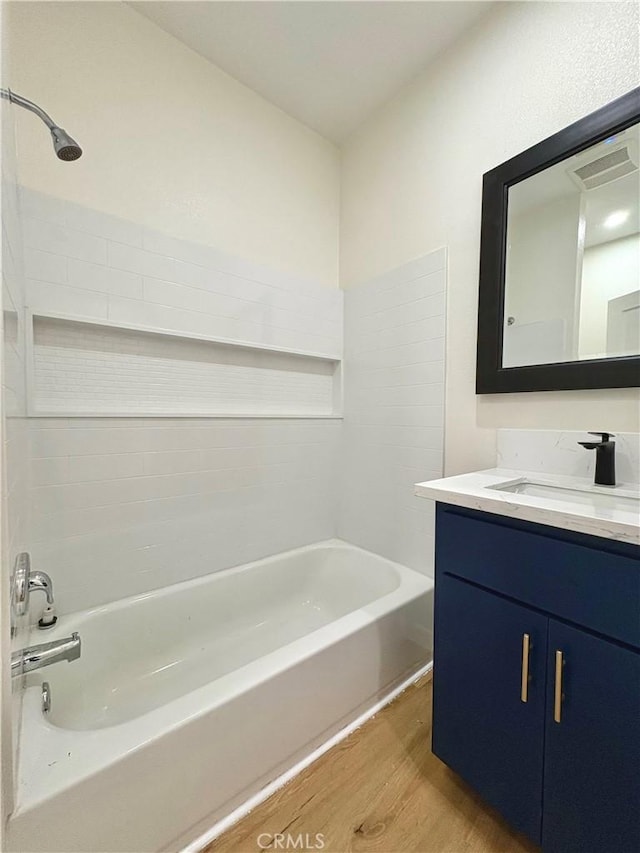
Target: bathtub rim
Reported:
[(201, 580)]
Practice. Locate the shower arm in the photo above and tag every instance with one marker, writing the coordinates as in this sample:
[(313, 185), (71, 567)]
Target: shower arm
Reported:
[(28, 105), (65, 146)]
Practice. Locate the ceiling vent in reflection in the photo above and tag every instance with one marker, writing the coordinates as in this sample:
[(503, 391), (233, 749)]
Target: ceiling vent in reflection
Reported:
[(605, 168)]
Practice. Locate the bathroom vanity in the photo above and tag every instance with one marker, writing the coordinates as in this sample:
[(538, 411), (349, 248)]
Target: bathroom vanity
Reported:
[(537, 653)]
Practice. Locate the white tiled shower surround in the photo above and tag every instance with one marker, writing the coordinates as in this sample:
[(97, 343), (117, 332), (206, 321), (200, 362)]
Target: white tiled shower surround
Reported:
[(558, 452), (95, 267), (122, 505), (394, 409)]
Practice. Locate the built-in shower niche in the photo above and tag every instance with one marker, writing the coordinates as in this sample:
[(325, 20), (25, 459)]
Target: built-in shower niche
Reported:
[(95, 369)]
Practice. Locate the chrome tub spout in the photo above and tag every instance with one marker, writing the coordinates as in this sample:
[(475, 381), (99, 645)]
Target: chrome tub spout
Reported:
[(44, 654)]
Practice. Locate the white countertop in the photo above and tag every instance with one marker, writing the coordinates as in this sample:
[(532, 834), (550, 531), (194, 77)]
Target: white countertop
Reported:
[(477, 491)]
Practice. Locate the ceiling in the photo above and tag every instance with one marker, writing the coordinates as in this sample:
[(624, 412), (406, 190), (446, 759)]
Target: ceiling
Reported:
[(328, 64)]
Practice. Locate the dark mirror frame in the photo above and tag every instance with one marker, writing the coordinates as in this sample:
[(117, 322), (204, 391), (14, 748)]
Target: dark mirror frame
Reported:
[(491, 377)]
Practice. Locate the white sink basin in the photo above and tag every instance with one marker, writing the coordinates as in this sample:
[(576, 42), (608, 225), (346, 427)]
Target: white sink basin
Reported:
[(600, 497)]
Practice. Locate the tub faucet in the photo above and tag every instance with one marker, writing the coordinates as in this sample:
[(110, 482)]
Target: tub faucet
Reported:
[(41, 580), (44, 654), (605, 458)]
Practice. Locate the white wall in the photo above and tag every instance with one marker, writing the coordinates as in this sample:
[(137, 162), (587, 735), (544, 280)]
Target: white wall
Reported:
[(394, 410), (13, 439), (169, 140), (609, 270), (412, 182), (6, 751)]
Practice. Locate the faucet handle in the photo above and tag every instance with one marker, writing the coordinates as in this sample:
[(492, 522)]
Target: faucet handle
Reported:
[(604, 435), (20, 584)]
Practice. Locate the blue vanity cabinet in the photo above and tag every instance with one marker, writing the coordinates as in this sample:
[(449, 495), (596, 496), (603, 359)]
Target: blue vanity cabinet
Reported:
[(592, 755), (519, 605), (481, 726)]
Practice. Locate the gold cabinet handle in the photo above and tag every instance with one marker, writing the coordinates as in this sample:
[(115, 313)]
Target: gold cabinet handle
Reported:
[(524, 677), (558, 694)]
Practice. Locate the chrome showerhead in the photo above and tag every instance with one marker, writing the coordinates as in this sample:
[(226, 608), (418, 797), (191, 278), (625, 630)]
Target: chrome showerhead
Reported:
[(65, 146)]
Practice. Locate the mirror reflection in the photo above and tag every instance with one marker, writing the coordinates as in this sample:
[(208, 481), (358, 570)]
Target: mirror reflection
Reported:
[(572, 278)]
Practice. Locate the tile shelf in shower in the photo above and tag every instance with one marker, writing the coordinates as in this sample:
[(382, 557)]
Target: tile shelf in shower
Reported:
[(174, 413), (175, 333), (81, 367)]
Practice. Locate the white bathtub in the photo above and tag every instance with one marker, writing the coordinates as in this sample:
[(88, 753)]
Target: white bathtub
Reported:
[(188, 700)]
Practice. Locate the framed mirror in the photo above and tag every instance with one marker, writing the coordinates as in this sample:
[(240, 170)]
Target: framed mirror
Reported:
[(559, 300)]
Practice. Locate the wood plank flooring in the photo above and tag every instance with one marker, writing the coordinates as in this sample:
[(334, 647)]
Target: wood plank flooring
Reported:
[(379, 791)]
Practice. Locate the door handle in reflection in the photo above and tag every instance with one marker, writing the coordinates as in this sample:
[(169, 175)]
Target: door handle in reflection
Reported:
[(558, 694), (524, 676)]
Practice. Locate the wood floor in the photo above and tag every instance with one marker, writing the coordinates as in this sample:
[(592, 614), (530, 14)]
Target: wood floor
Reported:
[(381, 791)]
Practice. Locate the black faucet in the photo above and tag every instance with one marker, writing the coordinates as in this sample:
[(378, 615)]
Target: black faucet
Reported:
[(605, 458)]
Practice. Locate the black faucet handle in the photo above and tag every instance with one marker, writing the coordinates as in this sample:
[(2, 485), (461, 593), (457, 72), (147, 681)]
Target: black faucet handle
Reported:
[(593, 445), (604, 435)]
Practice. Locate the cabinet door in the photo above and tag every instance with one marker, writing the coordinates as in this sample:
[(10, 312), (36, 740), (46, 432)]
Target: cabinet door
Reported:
[(592, 755), (482, 728)]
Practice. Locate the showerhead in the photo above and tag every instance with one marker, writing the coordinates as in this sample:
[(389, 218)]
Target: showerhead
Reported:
[(65, 146)]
